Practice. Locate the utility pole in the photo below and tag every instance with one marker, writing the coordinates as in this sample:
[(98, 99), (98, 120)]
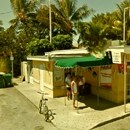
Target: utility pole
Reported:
[(50, 21)]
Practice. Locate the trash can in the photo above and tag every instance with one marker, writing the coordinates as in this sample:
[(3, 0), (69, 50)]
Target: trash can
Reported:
[(8, 80), (1, 81)]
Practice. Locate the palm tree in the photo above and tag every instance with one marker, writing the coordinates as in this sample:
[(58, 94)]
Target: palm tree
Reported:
[(65, 14), (119, 14), (23, 10), (92, 35), (25, 17), (110, 21)]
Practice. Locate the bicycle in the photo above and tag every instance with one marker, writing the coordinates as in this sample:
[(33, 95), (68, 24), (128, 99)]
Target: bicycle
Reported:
[(43, 108)]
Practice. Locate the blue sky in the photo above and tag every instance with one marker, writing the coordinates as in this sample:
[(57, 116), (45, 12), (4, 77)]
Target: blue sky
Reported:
[(100, 6)]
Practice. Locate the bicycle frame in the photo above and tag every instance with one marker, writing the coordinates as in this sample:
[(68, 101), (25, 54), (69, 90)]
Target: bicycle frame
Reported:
[(43, 108)]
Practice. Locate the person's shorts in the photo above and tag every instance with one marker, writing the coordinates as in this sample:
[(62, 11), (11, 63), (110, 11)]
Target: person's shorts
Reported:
[(74, 97), (69, 88)]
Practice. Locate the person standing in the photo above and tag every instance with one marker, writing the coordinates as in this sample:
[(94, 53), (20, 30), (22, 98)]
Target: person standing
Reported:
[(68, 85), (81, 87), (74, 91)]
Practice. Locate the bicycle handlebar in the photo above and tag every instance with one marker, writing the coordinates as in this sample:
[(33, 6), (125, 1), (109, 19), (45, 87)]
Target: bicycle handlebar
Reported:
[(45, 99), (42, 93)]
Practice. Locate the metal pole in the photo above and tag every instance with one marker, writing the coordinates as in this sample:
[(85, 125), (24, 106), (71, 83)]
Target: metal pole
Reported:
[(12, 67), (65, 93), (50, 21), (98, 78), (77, 92), (77, 104), (124, 82), (124, 25), (12, 71)]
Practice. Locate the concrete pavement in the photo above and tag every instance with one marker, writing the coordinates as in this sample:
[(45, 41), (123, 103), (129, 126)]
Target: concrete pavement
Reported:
[(88, 115)]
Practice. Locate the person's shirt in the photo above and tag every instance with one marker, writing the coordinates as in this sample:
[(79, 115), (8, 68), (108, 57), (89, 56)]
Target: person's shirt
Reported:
[(68, 81), (74, 86), (80, 83)]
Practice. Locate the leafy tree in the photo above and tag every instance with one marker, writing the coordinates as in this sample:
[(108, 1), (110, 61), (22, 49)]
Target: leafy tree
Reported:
[(61, 42), (1, 28), (111, 23), (92, 35), (8, 44), (39, 47)]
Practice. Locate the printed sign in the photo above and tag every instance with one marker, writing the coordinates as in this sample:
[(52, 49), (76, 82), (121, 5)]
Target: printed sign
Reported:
[(116, 57), (58, 74), (106, 77), (11, 58)]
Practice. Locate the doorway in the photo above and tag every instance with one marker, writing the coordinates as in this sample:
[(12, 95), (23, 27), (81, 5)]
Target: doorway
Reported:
[(41, 77)]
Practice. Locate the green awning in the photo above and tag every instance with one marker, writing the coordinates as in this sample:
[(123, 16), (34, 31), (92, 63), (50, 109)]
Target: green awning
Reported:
[(87, 61)]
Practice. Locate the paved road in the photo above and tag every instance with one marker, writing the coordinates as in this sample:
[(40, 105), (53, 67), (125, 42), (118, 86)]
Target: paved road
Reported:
[(120, 124), (18, 113)]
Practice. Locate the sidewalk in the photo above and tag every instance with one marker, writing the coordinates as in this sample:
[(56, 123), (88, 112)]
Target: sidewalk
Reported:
[(66, 118)]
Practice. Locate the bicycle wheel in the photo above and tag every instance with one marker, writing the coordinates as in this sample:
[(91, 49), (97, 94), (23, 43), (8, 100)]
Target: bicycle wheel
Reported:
[(44, 109), (49, 116), (40, 107)]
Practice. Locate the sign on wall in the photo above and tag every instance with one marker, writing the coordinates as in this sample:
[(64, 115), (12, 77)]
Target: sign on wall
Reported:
[(121, 69), (106, 77), (116, 57), (58, 74)]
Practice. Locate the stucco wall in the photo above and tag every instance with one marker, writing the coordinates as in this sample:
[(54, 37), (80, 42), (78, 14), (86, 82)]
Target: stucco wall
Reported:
[(116, 93), (51, 82), (47, 72)]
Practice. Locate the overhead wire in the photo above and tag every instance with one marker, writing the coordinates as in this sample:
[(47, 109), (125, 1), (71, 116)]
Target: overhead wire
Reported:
[(5, 12)]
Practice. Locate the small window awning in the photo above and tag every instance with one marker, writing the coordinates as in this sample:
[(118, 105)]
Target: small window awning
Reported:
[(86, 61)]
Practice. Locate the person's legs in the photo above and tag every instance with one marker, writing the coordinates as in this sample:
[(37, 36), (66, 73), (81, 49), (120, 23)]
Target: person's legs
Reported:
[(67, 93), (73, 103), (70, 94), (74, 97), (83, 94)]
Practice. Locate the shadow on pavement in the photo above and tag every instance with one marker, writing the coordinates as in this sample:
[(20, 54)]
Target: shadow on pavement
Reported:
[(112, 120), (93, 102)]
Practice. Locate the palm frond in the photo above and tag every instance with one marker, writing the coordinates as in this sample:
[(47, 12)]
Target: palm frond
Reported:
[(81, 13)]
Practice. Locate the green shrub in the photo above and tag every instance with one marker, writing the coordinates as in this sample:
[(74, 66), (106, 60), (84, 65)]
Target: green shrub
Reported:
[(61, 42), (39, 47)]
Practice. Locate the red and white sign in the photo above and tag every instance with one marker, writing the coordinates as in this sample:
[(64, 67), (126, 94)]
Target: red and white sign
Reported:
[(106, 78), (121, 68)]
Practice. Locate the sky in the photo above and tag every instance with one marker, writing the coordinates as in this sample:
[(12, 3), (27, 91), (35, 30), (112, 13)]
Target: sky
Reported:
[(100, 6)]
